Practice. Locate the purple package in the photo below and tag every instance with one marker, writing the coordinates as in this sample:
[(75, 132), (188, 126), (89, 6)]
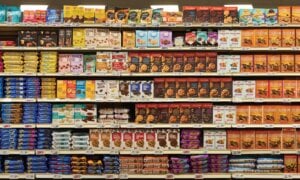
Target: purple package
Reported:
[(77, 63), (199, 157), (194, 165), (212, 38), (213, 156), (199, 170), (179, 166), (218, 166), (179, 171), (219, 170), (187, 144), (190, 132), (165, 38), (214, 161), (64, 63), (179, 160)]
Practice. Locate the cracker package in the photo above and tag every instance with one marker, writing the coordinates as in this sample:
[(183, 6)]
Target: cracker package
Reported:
[(248, 139), (275, 37), (121, 15), (261, 139), (274, 63), (258, 16), (231, 15), (146, 16), (284, 14), (295, 14), (289, 138), (260, 63), (261, 38), (245, 16), (288, 37), (275, 89), (256, 114), (243, 114), (100, 16), (287, 63), (247, 38), (262, 89), (233, 139)]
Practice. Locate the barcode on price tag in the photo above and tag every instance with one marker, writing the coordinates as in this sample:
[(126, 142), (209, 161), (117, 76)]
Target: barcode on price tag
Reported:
[(275, 151), (29, 176), (76, 176), (57, 176), (123, 176), (199, 176), (236, 152), (13, 176), (110, 176), (169, 176)]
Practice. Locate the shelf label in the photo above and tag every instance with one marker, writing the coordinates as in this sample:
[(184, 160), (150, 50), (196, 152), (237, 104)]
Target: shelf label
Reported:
[(197, 126), (240, 125), (134, 152), (169, 176), (298, 152), (286, 100), (90, 151), (117, 48), (258, 100), (269, 126), (239, 176), (57, 176), (40, 152), (132, 25), (287, 176), (199, 176), (186, 151), (171, 24), (236, 152), (158, 152), (220, 125), (29, 176), (275, 151), (100, 126), (54, 151), (76, 176), (23, 152), (113, 151), (29, 126), (54, 125), (148, 126), (78, 126), (175, 125), (164, 48), (109, 176), (187, 24), (13, 176), (123, 176), (4, 152), (6, 126)]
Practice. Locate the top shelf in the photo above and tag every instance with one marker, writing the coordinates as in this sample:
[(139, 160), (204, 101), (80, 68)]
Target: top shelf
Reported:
[(134, 26)]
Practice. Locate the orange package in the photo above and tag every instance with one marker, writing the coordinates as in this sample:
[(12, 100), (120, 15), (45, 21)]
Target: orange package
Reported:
[(275, 37), (261, 38), (287, 63), (274, 63), (262, 89), (71, 89), (275, 88), (247, 38), (260, 63), (274, 139), (289, 88), (297, 37), (256, 114), (269, 114), (248, 139), (246, 63), (288, 138), (297, 63), (284, 114), (298, 141), (298, 88), (290, 163), (295, 14), (295, 117), (233, 139), (128, 39), (242, 114), (288, 37), (284, 14), (261, 139)]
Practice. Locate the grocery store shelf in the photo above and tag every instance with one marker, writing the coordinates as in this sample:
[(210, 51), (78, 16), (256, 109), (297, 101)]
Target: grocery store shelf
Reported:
[(18, 48), (258, 151), (76, 176), (17, 126), (114, 74), (17, 74), (17, 176), (262, 100), (179, 100), (177, 176), (265, 176), (265, 126), (17, 100), (76, 100), (87, 152), (134, 125), (16, 152), (174, 151)]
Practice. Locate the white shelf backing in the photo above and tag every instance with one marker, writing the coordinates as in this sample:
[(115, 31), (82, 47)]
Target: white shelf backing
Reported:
[(87, 152), (76, 176), (264, 176), (17, 176), (179, 151), (7, 126), (16, 152)]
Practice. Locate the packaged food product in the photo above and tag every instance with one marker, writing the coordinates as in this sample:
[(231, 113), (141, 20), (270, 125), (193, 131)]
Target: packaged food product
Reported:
[(275, 37), (287, 63), (261, 139), (261, 38), (275, 88), (248, 139), (288, 37), (274, 63), (258, 16), (284, 14), (262, 89), (274, 139), (295, 14)]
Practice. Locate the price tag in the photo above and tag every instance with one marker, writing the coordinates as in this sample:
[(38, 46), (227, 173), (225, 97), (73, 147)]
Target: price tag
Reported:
[(13, 176), (287, 176), (90, 151), (40, 152), (187, 24), (286, 100), (298, 152), (54, 125), (296, 126), (175, 125), (109, 176), (215, 99), (130, 126), (171, 24), (123, 176), (169, 176), (29, 126), (29, 176), (186, 151), (113, 151), (239, 176), (142, 48), (132, 25), (117, 48), (100, 126), (78, 126), (134, 152), (275, 151), (4, 152), (24, 152), (148, 126), (6, 126), (295, 48), (155, 24), (199, 176), (164, 48), (197, 126), (76, 176), (259, 100), (240, 126), (283, 25), (272, 48), (236, 152), (116, 25), (158, 152), (193, 48), (220, 125), (143, 25), (219, 24), (57, 176), (269, 126), (53, 151)]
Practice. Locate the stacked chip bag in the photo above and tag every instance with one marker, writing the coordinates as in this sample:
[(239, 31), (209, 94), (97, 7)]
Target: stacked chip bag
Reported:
[(37, 164), (44, 139), (80, 141), (14, 164), (190, 138), (218, 163), (199, 163), (269, 164), (13, 62), (111, 164), (61, 139), (1, 87), (9, 138), (31, 61), (156, 164), (79, 165), (32, 87), (48, 88), (27, 139), (48, 62), (131, 164), (15, 87), (44, 114), (242, 164), (95, 165), (180, 165), (11, 113), (29, 113), (60, 164)]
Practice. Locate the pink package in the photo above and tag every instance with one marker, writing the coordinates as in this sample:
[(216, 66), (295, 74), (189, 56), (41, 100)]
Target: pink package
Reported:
[(77, 63), (166, 38), (64, 63), (119, 60)]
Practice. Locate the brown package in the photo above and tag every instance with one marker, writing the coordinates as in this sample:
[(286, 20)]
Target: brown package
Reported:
[(211, 62), (178, 62), (140, 113), (288, 138), (284, 114), (215, 88), (145, 62), (203, 14), (290, 163), (261, 38), (269, 114), (159, 87), (189, 62), (288, 37), (295, 117), (243, 114), (248, 139), (289, 88), (275, 37), (274, 139), (170, 87), (192, 87), (274, 63), (156, 62), (246, 63), (261, 139), (275, 88), (297, 37), (204, 88), (247, 38), (260, 63), (226, 88), (287, 63), (174, 113), (167, 63), (233, 139), (181, 87), (284, 14), (256, 114), (295, 14), (297, 63), (262, 89), (216, 14), (152, 113), (200, 64), (185, 113)]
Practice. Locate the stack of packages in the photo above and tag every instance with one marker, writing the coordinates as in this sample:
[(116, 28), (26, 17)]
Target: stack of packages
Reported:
[(11, 113), (113, 115), (269, 164), (14, 165), (85, 113), (111, 164), (218, 163), (48, 62), (95, 166), (63, 114), (9, 138), (61, 140), (13, 62), (199, 163), (1, 64), (37, 164), (190, 139), (156, 164), (79, 165), (44, 138), (1, 87), (15, 87), (80, 141), (32, 88), (179, 165), (60, 164), (31, 61), (27, 139), (30, 113), (44, 115), (131, 164), (242, 164), (48, 88)]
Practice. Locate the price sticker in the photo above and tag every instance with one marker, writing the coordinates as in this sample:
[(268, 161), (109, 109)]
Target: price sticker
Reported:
[(240, 126), (90, 151), (13, 176), (169, 176), (78, 126), (158, 152), (187, 24), (148, 126), (171, 24), (123, 176), (134, 152), (269, 126), (4, 152), (29, 126), (117, 48), (239, 176), (54, 125), (40, 152), (199, 176), (287, 176), (286, 100), (57, 176), (236, 152), (77, 176), (109, 176), (175, 125), (113, 151), (29, 176), (6, 126), (24, 152), (54, 151), (220, 125), (186, 151), (275, 151), (164, 48), (132, 25)]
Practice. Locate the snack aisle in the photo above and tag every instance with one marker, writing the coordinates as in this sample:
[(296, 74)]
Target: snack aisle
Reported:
[(203, 93)]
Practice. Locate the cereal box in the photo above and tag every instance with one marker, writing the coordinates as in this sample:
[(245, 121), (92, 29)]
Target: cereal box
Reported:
[(78, 37), (181, 87), (128, 39), (174, 113), (90, 89), (141, 38), (287, 63), (226, 88), (297, 63), (262, 89), (170, 87), (80, 89), (102, 37), (196, 113), (209, 139), (234, 64), (207, 113), (248, 139), (258, 16), (275, 88), (89, 15), (167, 62), (271, 16), (146, 16), (269, 113), (78, 14), (76, 63), (220, 139), (261, 38), (100, 16), (245, 16), (296, 14), (147, 89), (298, 89), (289, 138), (115, 38), (153, 38), (224, 38), (288, 37), (230, 15), (256, 114), (68, 14), (284, 114), (247, 63), (233, 139), (275, 37), (133, 62), (119, 61), (290, 163), (222, 66), (234, 38), (284, 14), (260, 63), (295, 117), (189, 13), (103, 62), (89, 63), (249, 90), (166, 38), (247, 39), (238, 88), (243, 114), (101, 89), (64, 64), (230, 114), (139, 139), (289, 88), (61, 89), (261, 139), (274, 63), (90, 39), (298, 37)]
